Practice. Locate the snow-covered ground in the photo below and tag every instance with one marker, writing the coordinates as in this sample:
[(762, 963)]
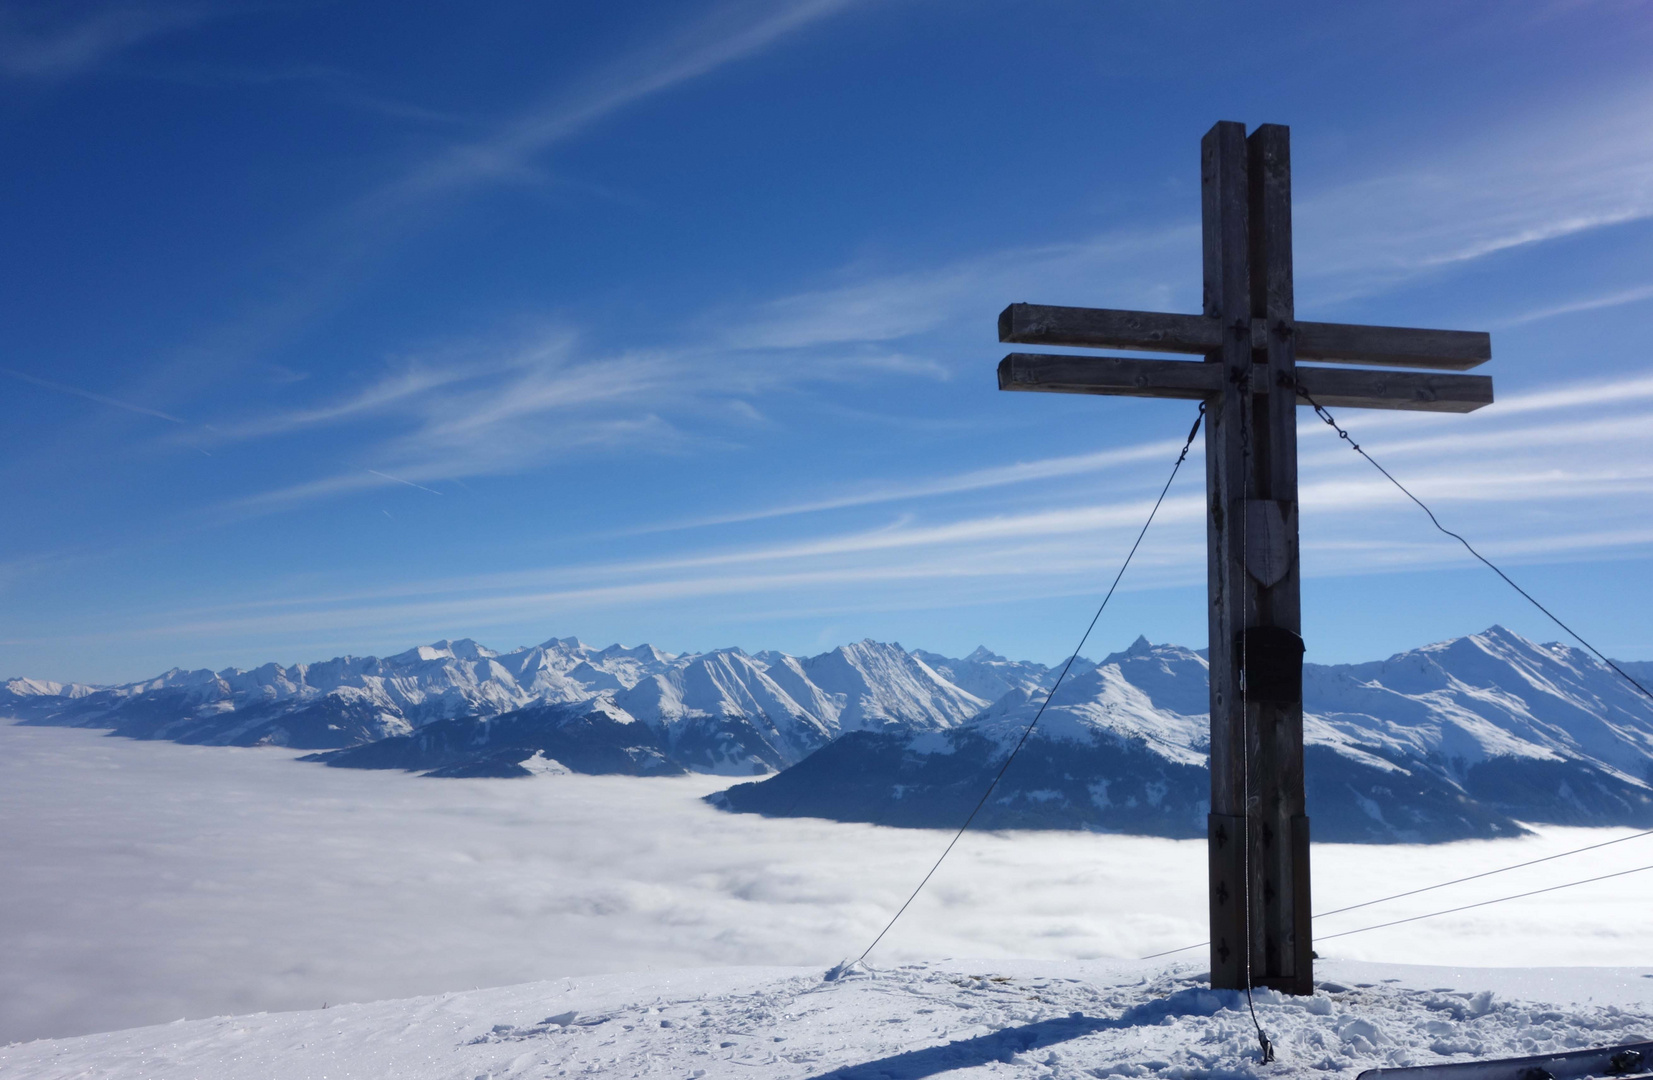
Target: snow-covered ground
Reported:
[(1048, 1019), (147, 881)]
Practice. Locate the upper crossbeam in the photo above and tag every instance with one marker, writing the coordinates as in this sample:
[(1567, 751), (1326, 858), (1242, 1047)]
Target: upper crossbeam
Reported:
[(1125, 376), (1152, 331)]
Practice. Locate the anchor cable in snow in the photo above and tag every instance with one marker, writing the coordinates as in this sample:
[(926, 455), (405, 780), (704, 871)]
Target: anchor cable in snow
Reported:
[(1321, 412), (1444, 884), (1484, 873), (1181, 457), (1484, 903)]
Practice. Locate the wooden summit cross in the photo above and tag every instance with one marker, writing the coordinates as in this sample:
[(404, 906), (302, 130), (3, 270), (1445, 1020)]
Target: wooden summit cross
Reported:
[(1249, 380)]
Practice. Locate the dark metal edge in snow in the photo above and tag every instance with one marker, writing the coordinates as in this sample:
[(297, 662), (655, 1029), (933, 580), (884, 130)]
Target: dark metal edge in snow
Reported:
[(1629, 1062)]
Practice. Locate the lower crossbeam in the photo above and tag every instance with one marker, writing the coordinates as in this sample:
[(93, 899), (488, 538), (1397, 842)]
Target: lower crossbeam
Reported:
[(1192, 380)]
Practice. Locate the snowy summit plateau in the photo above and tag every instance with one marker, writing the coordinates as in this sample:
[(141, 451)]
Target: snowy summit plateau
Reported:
[(1016, 1018)]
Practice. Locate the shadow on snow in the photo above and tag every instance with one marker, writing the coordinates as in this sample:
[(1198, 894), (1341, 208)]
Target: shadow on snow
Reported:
[(1003, 1045)]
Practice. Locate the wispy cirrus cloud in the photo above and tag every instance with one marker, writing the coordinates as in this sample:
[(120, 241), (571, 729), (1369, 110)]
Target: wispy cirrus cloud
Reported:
[(1147, 268), (1593, 431), (1517, 481), (335, 253), (973, 480), (398, 387), (478, 409), (481, 406), (488, 409), (334, 84), (89, 395), (1615, 298), (1588, 164), (63, 40), (728, 32)]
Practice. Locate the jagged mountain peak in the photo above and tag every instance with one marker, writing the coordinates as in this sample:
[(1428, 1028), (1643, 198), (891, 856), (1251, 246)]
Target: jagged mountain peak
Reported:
[(1488, 696), (1463, 738), (23, 687), (1496, 643), (1143, 647), (644, 653), (879, 684), (467, 649), (1147, 703), (867, 647), (986, 674), (178, 677), (1442, 725), (461, 649), (723, 711)]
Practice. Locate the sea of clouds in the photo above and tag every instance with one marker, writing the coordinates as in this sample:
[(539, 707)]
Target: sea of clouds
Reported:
[(147, 881)]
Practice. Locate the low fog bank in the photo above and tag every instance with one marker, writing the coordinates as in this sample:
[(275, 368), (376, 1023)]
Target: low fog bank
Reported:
[(148, 881)]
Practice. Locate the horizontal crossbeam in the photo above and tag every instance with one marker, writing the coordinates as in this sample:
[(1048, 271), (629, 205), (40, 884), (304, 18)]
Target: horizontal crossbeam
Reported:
[(1153, 331), (1333, 387)]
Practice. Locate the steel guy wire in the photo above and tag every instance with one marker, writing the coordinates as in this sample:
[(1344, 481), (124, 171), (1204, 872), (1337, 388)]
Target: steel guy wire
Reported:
[(1438, 885), (1181, 457), (1485, 873), (1321, 412), (1484, 903), (1173, 952), (1449, 911)]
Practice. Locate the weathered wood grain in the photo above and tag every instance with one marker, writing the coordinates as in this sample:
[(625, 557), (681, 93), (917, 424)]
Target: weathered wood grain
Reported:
[(1106, 328), (1225, 208), (1274, 728), (1157, 331), (1110, 375), (1393, 346), (1125, 376), (1416, 391)]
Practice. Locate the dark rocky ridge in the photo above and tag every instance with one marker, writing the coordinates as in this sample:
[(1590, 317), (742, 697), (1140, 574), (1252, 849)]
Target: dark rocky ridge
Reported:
[(574, 735)]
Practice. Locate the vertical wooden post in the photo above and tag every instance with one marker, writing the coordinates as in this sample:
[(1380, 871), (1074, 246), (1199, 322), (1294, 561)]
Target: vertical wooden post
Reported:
[(1258, 838), (1224, 214), (1273, 571), (1259, 826)]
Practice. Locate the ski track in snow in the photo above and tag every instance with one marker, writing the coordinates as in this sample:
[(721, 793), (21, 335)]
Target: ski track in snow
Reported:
[(1010, 1019)]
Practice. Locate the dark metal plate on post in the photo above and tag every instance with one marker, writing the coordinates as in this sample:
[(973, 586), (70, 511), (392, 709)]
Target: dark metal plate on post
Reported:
[(1271, 664)]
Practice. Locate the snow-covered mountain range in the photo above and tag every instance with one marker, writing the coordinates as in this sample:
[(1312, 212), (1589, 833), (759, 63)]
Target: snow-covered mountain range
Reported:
[(1466, 738), (720, 712)]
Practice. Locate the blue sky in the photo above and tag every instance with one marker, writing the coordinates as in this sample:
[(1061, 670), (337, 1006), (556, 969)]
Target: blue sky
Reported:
[(341, 328)]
